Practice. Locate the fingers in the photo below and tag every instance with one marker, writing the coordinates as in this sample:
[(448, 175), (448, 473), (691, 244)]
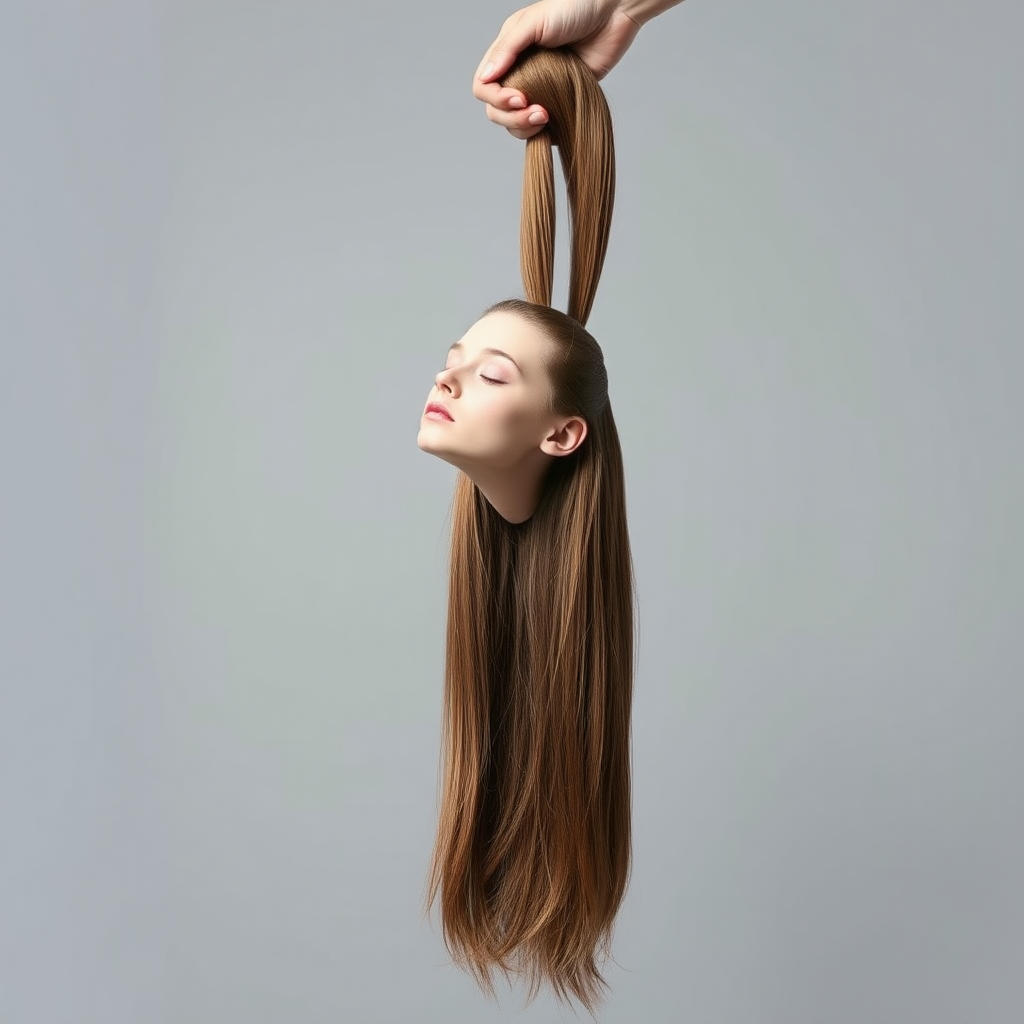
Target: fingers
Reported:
[(520, 123), (511, 109), (499, 96)]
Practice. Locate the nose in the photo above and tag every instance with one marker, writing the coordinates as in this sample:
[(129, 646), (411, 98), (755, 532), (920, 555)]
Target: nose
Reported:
[(445, 381)]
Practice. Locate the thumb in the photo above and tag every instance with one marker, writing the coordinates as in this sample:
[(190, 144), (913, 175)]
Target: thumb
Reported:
[(514, 38)]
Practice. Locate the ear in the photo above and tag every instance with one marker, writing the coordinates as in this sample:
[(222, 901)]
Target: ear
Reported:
[(566, 438)]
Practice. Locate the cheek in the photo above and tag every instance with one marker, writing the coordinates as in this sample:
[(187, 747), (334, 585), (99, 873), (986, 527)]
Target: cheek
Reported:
[(507, 412)]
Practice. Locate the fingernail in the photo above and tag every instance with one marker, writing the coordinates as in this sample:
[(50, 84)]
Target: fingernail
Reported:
[(517, 102), (487, 70), (538, 117)]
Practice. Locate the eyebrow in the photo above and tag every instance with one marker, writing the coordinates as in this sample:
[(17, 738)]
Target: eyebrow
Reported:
[(491, 352)]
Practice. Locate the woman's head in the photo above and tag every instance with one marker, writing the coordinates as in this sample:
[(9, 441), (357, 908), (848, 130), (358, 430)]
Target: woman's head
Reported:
[(517, 390)]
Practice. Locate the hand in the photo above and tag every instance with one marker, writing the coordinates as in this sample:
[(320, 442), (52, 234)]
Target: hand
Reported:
[(598, 31)]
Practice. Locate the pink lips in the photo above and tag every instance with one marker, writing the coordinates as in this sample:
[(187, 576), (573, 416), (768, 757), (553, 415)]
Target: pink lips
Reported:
[(438, 412)]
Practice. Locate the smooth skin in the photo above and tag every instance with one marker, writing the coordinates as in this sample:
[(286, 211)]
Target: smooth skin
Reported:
[(600, 31), (503, 431)]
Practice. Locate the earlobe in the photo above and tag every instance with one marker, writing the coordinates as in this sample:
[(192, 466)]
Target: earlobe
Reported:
[(564, 440)]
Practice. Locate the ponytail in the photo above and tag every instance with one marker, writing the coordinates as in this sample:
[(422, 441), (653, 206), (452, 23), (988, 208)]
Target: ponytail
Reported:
[(580, 125)]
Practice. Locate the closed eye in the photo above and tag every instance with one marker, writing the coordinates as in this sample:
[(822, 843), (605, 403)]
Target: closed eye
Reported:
[(490, 380)]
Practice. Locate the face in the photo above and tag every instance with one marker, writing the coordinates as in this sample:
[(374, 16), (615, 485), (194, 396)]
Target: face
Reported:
[(497, 396)]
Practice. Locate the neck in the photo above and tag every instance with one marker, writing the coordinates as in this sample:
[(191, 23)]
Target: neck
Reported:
[(514, 492)]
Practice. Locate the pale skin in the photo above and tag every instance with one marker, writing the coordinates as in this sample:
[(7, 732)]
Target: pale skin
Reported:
[(502, 432), (600, 31)]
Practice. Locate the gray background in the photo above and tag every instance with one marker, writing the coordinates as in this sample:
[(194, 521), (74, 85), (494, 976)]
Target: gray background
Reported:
[(237, 239)]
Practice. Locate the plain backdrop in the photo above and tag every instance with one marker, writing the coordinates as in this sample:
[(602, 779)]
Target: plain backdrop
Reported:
[(236, 242)]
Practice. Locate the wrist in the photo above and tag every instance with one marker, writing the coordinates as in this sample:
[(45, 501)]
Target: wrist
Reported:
[(642, 11)]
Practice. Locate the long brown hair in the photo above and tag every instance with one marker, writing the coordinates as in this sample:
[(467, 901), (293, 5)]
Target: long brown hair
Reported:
[(532, 853)]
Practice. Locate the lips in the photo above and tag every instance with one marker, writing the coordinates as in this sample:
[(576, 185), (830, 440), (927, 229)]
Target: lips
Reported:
[(437, 411)]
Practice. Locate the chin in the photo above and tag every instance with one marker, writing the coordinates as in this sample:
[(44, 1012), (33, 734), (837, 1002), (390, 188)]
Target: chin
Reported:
[(429, 445)]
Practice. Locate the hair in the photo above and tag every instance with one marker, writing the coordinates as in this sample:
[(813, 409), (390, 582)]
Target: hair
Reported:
[(532, 853)]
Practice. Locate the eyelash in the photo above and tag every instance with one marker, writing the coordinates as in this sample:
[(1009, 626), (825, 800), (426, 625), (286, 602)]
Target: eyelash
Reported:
[(490, 380)]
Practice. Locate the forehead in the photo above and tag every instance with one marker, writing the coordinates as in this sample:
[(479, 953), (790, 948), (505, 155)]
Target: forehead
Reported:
[(522, 340)]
